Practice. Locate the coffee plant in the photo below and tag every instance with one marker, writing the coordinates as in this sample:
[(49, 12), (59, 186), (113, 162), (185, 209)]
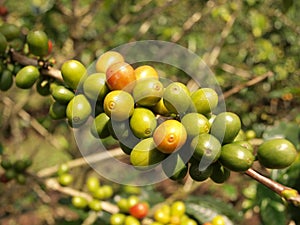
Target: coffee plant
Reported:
[(220, 164)]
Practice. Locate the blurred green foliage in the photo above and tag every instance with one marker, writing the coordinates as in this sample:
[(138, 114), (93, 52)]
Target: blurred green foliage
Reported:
[(263, 37)]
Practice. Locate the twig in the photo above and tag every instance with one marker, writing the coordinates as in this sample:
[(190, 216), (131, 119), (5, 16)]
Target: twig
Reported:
[(74, 8), (21, 59), (237, 71), (213, 56), (145, 26), (283, 18), (33, 123), (289, 194), (25, 61), (52, 72), (64, 10), (192, 21), (188, 184), (147, 14), (91, 9), (52, 183), (249, 83), (81, 161), (189, 23), (92, 217), (41, 193)]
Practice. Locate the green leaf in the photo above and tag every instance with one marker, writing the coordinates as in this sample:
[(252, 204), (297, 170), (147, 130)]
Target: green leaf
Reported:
[(273, 211), (200, 213), (152, 196), (205, 208), (290, 176), (230, 191), (250, 191), (265, 193), (103, 218), (271, 206), (294, 213)]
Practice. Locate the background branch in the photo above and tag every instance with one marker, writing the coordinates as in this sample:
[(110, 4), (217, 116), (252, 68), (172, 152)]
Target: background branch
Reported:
[(33, 122), (81, 161), (212, 57), (52, 183), (249, 83)]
